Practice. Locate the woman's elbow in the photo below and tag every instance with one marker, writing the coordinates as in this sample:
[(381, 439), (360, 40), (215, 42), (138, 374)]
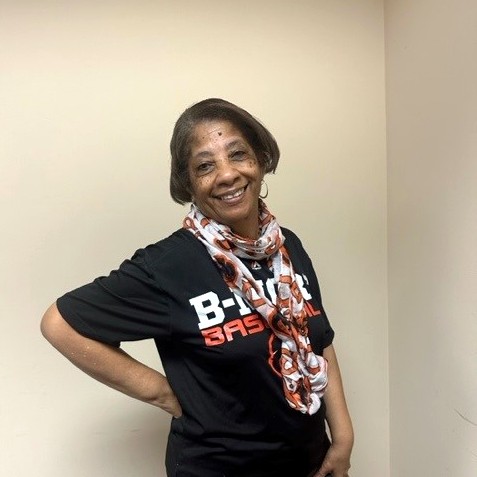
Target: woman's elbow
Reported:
[(52, 325)]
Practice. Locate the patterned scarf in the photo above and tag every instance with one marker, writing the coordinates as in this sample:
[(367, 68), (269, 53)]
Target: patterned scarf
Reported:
[(303, 372)]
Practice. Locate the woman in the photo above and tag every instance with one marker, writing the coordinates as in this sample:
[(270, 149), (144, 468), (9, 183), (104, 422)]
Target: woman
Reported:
[(233, 304)]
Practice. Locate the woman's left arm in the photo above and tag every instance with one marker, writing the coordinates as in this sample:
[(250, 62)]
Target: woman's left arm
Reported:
[(337, 459)]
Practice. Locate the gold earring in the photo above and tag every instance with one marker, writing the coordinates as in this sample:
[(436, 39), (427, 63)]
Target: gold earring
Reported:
[(265, 195)]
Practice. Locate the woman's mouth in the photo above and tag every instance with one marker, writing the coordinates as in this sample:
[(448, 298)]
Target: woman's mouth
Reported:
[(232, 195)]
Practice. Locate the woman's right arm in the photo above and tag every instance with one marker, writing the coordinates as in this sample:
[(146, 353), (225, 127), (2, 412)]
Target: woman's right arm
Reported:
[(109, 365)]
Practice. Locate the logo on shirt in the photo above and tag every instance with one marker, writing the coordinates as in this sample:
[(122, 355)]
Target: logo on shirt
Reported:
[(211, 312)]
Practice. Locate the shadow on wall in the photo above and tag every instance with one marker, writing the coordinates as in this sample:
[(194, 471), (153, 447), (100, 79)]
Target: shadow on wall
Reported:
[(115, 444)]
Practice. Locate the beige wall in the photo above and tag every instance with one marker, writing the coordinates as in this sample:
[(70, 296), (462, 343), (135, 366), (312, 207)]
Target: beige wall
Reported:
[(431, 51), (89, 93)]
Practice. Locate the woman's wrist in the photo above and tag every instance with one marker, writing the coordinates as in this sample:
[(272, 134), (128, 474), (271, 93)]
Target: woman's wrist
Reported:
[(343, 439), (165, 398)]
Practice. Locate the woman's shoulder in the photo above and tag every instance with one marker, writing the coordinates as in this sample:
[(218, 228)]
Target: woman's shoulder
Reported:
[(179, 247), (177, 240), (294, 246), (291, 237)]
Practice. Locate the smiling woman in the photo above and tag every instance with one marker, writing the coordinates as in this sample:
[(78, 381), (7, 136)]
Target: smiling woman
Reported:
[(251, 130), (225, 177), (234, 306)]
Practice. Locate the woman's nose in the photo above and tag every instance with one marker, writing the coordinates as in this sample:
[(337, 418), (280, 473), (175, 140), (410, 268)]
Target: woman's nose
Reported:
[(226, 171)]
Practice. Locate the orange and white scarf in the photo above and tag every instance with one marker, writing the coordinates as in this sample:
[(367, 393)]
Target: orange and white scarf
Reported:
[(304, 373)]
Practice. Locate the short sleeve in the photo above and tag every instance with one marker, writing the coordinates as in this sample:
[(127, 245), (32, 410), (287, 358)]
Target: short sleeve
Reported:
[(328, 332), (127, 305)]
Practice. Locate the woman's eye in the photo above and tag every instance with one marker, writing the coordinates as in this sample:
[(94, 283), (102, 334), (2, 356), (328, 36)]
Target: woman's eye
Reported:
[(204, 167), (238, 155)]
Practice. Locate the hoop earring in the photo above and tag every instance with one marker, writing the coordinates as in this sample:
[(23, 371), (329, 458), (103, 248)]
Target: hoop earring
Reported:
[(265, 195)]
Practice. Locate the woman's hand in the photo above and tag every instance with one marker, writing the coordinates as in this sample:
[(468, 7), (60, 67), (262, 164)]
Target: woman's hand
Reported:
[(336, 462), (337, 459), (169, 402)]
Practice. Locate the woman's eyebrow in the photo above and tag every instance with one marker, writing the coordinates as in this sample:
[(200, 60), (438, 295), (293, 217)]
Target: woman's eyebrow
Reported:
[(202, 155), (205, 154), (235, 143)]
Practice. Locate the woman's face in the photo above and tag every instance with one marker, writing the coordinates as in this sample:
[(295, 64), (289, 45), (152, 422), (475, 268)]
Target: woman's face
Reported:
[(225, 176)]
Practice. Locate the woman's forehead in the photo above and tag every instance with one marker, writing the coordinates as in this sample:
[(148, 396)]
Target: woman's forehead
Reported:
[(220, 133)]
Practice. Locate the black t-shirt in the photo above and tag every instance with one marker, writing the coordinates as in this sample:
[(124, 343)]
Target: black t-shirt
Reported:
[(219, 356)]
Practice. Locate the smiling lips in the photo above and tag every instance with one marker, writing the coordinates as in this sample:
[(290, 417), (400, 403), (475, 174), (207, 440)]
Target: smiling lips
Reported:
[(232, 197)]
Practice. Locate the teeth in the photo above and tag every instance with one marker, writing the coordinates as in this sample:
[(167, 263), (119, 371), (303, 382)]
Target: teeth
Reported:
[(234, 195)]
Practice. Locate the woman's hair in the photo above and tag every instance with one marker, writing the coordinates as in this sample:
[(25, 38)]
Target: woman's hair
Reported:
[(260, 139)]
